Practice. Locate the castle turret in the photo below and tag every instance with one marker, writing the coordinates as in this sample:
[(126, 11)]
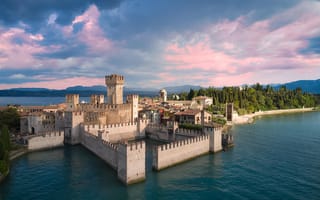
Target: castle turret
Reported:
[(97, 99), (215, 138), (72, 127), (71, 101), (114, 84), (134, 101), (131, 162)]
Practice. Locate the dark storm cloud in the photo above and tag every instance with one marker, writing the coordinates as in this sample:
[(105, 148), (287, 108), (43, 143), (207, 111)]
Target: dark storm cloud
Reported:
[(35, 12)]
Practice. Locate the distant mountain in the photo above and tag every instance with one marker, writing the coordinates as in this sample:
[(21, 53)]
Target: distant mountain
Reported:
[(30, 89), (100, 89), (182, 88), (310, 86), (86, 88)]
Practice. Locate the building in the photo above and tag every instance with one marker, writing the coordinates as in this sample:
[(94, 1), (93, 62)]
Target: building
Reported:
[(229, 111), (70, 117), (203, 100), (192, 117), (163, 95), (108, 130), (115, 84)]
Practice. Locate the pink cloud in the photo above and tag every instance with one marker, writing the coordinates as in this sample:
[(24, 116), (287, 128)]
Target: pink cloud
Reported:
[(57, 84), (91, 33), (17, 48), (230, 80), (238, 50)]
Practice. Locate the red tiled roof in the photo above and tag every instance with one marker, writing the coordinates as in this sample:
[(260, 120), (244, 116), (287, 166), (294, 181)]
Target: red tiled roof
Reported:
[(188, 112)]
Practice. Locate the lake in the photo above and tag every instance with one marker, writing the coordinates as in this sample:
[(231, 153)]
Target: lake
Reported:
[(277, 157)]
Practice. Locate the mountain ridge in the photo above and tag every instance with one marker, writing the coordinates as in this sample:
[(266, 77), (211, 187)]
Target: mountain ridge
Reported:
[(310, 86)]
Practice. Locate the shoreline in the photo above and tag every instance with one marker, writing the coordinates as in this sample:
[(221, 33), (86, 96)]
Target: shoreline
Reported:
[(249, 118), (13, 155)]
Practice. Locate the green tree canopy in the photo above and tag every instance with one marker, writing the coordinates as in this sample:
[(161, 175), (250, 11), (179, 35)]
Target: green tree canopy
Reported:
[(10, 117)]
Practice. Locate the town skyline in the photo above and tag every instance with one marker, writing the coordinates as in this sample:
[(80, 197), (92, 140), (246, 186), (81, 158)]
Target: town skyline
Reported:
[(55, 45)]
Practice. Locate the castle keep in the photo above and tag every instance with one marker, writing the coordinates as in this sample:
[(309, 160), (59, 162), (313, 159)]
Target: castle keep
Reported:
[(110, 130)]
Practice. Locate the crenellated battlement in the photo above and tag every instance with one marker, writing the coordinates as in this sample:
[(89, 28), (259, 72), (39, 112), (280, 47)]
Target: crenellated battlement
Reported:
[(101, 107), (89, 127), (173, 153), (97, 138), (136, 146), (46, 140), (144, 121), (132, 96), (181, 143), (114, 78), (189, 132)]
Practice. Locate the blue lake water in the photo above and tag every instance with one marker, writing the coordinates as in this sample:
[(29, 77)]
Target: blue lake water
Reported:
[(35, 101), (277, 157)]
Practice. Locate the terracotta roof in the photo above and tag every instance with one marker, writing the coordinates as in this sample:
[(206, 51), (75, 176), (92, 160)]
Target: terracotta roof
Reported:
[(201, 97), (188, 112)]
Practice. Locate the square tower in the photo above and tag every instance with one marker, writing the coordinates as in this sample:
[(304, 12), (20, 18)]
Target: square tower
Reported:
[(97, 99), (72, 100), (134, 101), (114, 84)]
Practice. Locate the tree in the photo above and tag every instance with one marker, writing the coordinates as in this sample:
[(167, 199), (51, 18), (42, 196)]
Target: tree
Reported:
[(257, 97), (5, 138), (10, 117), (191, 94), (4, 149)]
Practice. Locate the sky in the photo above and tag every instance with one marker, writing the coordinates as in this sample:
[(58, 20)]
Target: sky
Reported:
[(59, 44)]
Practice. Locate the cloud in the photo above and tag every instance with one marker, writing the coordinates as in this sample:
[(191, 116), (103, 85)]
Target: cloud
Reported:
[(91, 34), (17, 76), (238, 48), (160, 43), (17, 47), (34, 12), (58, 83)]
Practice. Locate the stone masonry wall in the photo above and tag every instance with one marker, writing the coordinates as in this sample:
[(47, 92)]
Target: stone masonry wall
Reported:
[(46, 141), (117, 132), (170, 154), (103, 149), (131, 162), (127, 159)]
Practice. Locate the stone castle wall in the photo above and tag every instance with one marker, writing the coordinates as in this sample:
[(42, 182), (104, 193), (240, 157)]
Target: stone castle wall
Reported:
[(103, 149), (46, 140), (188, 132), (215, 135), (170, 154), (107, 114), (127, 159), (131, 162), (117, 132), (73, 126)]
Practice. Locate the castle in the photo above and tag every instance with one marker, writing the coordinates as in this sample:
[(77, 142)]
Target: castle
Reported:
[(110, 130)]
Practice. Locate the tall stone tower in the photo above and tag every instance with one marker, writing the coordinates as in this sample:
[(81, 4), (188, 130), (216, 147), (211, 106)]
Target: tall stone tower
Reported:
[(114, 84), (72, 100), (134, 101)]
